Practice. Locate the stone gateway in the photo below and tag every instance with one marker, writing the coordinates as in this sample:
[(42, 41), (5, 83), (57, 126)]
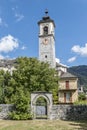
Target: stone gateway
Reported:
[(41, 110)]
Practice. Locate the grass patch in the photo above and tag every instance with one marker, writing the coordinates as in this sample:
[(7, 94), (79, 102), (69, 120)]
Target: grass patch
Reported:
[(42, 125)]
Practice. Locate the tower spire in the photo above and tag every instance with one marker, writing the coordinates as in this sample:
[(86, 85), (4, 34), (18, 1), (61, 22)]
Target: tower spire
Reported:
[(46, 12)]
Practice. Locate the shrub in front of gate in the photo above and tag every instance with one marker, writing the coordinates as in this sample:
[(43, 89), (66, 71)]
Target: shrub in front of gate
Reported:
[(22, 109)]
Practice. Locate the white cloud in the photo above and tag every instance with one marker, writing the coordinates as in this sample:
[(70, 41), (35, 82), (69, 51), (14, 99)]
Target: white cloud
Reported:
[(80, 50), (8, 43), (17, 14), (4, 57), (1, 56), (19, 17), (72, 59), (23, 47), (2, 23), (57, 60)]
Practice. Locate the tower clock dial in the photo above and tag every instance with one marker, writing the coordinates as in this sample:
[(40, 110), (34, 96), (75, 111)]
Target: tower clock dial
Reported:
[(45, 41)]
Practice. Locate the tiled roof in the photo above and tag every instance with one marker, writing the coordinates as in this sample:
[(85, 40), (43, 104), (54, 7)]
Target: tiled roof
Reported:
[(5, 63), (68, 75)]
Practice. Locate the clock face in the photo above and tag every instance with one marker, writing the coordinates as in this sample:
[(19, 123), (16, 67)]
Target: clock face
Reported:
[(45, 41)]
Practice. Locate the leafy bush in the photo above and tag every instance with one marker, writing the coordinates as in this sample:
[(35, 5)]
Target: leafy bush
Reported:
[(22, 111), (81, 102), (20, 116), (82, 96)]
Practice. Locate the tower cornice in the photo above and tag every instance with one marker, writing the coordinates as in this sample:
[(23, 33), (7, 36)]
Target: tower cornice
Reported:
[(46, 21), (44, 36)]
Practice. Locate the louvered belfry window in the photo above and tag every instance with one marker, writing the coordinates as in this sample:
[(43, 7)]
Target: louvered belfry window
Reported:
[(45, 30)]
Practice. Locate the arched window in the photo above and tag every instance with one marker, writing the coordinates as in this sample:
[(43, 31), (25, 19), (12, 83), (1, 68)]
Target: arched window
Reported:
[(45, 30)]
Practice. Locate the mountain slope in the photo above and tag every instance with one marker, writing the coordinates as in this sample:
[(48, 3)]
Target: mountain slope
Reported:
[(81, 72)]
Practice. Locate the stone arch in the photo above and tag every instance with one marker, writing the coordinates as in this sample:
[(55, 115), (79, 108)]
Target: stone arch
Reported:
[(41, 95), (47, 97)]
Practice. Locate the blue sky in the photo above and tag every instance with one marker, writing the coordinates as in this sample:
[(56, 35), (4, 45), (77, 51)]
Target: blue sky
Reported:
[(19, 29)]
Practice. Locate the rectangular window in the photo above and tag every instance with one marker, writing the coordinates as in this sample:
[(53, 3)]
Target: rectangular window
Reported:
[(45, 56), (64, 97), (68, 97), (67, 84)]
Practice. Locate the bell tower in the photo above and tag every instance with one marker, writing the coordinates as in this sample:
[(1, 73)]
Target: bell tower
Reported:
[(47, 40)]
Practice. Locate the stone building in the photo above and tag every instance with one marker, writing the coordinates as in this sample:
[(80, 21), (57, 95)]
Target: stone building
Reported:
[(7, 65), (68, 92)]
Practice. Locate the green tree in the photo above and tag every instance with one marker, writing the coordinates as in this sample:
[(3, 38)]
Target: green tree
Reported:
[(30, 75), (1, 86), (35, 75)]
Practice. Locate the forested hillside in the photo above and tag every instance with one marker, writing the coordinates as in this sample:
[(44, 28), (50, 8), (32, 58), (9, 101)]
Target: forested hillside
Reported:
[(81, 72)]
